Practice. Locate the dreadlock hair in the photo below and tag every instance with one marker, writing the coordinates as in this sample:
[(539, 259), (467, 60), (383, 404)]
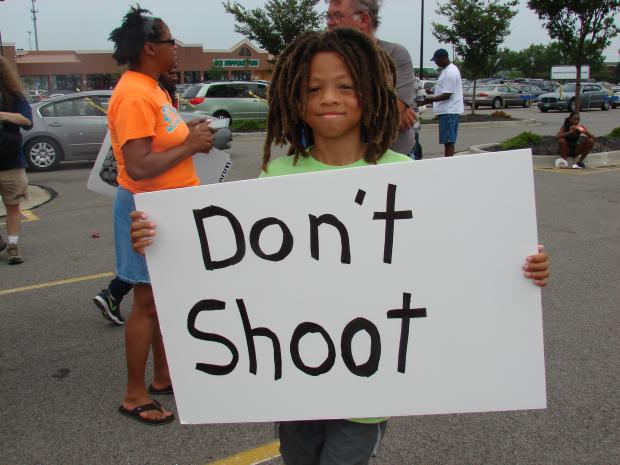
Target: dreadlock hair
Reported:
[(136, 29), (374, 76)]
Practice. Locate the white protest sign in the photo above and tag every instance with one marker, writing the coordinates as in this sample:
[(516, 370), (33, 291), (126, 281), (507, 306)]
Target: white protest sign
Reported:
[(211, 168), (385, 290)]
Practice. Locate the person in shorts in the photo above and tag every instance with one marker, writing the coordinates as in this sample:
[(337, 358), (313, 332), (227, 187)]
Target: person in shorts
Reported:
[(574, 141), (447, 100), (15, 113)]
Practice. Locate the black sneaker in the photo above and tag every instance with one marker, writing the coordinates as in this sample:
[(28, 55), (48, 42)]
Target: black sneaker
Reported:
[(109, 307), (581, 164)]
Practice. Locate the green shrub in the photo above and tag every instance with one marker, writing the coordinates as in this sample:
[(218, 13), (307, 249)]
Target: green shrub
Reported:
[(615, 134), (522, 140), (249, 124)]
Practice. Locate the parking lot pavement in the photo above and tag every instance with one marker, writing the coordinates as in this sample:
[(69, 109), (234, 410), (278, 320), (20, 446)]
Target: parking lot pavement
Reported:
[(63, 368), (598, 122)]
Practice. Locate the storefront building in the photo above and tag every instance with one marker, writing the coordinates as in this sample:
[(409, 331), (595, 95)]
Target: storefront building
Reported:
[(69, 71)]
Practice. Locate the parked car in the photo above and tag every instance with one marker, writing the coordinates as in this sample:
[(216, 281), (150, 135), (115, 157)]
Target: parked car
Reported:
[(591, 96), (495, 95), (72, 128), (615, 103), (530, 89), (235, 100)]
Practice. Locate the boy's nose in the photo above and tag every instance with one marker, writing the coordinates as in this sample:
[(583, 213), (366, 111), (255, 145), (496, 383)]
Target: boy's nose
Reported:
[(329, 96)]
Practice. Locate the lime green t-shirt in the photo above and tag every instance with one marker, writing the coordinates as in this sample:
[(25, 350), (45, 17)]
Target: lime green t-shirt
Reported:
[(306, 164), (284, 165)]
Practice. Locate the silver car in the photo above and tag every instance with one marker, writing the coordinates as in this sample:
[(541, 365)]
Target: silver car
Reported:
[(496, 96), (563, 99), (72, 127)]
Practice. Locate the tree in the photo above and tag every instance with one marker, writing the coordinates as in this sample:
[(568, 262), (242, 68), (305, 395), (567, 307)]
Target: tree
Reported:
[(476, 30), (277, 24), (581, 27)]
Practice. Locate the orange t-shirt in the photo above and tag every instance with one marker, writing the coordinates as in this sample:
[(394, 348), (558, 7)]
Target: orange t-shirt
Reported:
[(140, 108)]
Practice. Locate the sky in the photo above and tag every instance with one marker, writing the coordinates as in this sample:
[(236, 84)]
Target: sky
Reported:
[(86, 24)]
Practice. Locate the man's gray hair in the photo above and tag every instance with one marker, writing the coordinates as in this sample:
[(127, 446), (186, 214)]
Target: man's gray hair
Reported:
[(371, 7)]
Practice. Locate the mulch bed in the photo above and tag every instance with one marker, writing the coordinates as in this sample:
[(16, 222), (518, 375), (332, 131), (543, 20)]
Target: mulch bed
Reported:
[(478, 118), (549, 146)]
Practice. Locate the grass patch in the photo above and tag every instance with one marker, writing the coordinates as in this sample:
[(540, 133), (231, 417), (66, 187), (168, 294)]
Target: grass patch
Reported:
[(249, 125), (614, 134), (524, 139)]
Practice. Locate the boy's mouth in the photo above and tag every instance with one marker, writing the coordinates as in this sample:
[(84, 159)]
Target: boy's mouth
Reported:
[(331, 115)]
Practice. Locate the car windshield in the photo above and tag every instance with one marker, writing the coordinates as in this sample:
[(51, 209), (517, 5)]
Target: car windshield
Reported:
[(568, 87), (192, 91)]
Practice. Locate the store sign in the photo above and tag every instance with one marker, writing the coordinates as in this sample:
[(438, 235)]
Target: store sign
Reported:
[(569, 72), (234, 63)]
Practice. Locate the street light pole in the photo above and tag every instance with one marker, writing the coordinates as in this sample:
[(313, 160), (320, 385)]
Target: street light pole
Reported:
[(422, 41), (34, 22)]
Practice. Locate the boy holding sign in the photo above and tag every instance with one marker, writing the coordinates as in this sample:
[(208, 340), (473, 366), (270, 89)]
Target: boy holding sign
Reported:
[(334, 113)]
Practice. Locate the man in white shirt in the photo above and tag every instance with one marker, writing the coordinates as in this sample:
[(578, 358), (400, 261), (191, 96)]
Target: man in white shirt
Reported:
[(447, 100)]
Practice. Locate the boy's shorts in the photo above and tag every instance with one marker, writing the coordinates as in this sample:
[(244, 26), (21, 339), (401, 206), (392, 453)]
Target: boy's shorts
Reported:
[(448, 128), (329, 442), (13, 186)]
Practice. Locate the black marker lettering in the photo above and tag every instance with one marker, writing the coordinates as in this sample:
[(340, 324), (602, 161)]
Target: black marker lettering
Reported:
[(287, 239), (205, 306), (303, 329), (251, 333), (345, 255), (208, 212), (390, 215), (350, 330), (405, 313)]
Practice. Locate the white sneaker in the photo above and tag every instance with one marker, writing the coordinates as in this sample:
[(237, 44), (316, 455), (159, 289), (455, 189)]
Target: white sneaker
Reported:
[(561, 163), (576, 167)]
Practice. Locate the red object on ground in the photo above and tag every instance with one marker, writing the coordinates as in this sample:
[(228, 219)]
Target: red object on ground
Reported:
[(95, 235)]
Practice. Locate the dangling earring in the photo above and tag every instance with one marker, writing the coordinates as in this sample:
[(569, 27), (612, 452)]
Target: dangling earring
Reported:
[(306, 140)]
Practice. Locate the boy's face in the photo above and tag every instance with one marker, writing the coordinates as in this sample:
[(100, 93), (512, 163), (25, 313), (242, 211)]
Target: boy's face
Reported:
[(332, 107)]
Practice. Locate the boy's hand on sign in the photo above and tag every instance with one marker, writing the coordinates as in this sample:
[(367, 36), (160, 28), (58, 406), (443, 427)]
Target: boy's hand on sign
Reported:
[(142, 231), (536, 267), (193, 122)]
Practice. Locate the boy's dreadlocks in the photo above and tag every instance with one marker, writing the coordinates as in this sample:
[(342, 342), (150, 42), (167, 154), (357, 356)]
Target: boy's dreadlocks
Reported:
[(374, 77)]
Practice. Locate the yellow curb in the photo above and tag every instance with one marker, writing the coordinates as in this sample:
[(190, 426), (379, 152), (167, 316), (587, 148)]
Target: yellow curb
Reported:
[(252, 456), (55, 283), (27, 216)]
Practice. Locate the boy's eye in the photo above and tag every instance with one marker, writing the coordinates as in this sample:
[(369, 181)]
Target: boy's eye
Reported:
[(313, 90), (347, 87)]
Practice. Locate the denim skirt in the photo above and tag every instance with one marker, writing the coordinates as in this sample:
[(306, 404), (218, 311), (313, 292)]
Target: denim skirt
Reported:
[(130, 266)]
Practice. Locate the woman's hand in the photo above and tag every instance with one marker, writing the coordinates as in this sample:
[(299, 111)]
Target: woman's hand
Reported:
[(200, 137), (536, 267), (142, 231)]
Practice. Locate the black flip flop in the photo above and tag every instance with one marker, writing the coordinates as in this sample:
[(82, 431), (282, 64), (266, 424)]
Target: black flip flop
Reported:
[(135, 414), (167, 391)]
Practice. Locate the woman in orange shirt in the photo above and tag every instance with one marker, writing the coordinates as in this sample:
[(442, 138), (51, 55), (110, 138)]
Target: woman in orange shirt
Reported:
[(153, 149)]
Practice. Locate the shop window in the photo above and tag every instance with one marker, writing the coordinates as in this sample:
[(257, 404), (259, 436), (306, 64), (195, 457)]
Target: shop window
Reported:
[(245, 52), (69, 82)]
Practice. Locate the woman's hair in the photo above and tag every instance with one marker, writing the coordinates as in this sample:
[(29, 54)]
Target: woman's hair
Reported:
[(136, 29), (567, 119), (11, 87), (374, 77)]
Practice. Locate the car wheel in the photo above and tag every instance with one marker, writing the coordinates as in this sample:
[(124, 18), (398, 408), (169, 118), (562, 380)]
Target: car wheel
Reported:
[(605, 106), (544, 110), (43, 154), (223, 115), (497, 103), (526, 103)]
